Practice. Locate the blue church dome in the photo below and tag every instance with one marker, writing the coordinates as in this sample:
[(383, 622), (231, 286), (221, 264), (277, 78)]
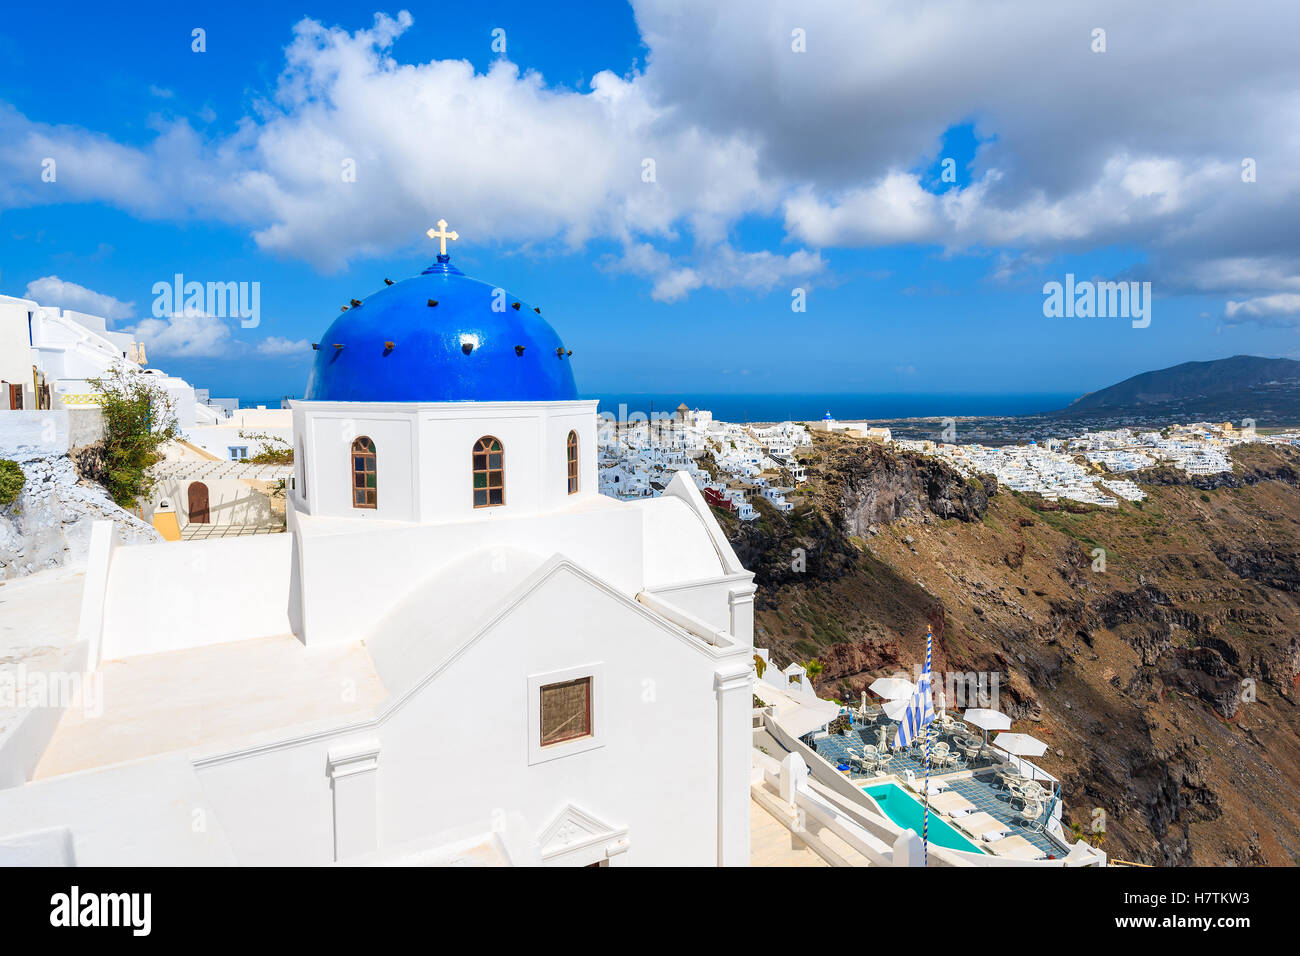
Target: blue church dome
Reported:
[(441, 336)]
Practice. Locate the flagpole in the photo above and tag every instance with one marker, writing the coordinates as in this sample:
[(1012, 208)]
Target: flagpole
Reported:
[(925, 820)]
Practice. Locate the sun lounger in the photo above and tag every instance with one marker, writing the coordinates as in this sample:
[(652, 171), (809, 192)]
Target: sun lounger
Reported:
[(914, 782), (953, 804), (1016, 848), (984, 826)]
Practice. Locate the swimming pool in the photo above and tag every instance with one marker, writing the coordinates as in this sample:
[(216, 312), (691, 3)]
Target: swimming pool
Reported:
[(901, 807)]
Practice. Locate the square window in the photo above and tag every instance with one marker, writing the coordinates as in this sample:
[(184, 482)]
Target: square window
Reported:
[(566, 711)]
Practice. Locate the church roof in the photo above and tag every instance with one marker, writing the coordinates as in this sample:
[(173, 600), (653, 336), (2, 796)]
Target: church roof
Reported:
[(441, 336)]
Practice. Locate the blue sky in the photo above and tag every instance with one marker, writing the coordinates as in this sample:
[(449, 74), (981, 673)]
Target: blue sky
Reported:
[(775, 170)]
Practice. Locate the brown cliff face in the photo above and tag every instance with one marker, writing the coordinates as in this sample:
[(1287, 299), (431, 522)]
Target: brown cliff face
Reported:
[(1165, 684), (868, 486)]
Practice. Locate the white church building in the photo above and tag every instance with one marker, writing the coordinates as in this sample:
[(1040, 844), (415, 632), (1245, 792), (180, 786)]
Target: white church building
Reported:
[(460, 652)]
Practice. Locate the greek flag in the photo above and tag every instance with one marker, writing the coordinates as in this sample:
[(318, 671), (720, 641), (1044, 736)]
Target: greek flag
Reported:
[(920, 709)]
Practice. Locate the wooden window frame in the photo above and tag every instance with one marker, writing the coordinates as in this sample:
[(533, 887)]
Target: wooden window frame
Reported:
[(571, 456), (587, 730), (369, 454), (483, 448)]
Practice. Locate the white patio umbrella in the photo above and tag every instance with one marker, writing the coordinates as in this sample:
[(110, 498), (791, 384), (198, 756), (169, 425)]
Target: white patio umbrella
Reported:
[(895, 709), (987, 720), (893, 688), (1020, 745)]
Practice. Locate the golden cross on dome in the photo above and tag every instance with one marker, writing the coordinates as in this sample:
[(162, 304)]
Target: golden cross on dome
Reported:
[(442, 235)]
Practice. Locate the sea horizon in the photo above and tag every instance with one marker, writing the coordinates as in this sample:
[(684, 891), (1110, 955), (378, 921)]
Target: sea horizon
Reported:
[(843, 406), (812, 406)]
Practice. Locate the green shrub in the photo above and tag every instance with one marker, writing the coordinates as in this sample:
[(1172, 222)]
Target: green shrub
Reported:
[(138, 420), (275, 450), (12, 480)]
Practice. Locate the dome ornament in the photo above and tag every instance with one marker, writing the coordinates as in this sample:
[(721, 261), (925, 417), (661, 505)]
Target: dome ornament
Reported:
[(442, 235)]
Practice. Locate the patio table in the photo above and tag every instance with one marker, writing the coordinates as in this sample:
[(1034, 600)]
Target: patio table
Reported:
[(1032, 791)]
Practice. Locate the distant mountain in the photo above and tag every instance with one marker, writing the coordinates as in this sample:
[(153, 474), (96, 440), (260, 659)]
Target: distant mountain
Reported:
[(1267, 389)]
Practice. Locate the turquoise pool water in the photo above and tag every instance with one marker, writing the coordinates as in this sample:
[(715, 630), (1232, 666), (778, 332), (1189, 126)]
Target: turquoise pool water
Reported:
[(907, 812)]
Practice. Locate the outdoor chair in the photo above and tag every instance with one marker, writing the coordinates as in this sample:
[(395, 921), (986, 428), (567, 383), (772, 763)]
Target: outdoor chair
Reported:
[(1029, 812), (1031, 789)]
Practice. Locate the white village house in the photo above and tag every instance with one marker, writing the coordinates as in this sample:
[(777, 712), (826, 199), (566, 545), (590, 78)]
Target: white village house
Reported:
[(459, 652)]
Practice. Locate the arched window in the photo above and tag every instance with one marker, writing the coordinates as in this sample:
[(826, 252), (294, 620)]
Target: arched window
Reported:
[(573, 461), (365, 492), (489, 473)]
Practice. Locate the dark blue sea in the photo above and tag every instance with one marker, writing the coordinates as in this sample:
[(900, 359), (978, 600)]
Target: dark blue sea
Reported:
[(842, 406), (802, 407)]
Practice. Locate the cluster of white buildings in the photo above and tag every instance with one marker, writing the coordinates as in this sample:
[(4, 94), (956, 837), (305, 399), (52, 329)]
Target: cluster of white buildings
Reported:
[(1040, 469), (1052, 469), (638, 458), (48, 357), (1123, 488), (1199, 449)]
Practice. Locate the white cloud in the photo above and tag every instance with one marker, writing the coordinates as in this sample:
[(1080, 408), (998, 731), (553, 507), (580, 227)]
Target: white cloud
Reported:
[(51, 290), (198, 335), (185, 335), (501, 155), (718, 267), (276, 346), (1282, 309), (1139, 146)]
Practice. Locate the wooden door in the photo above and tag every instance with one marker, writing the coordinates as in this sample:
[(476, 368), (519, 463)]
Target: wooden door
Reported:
[(198, 503)]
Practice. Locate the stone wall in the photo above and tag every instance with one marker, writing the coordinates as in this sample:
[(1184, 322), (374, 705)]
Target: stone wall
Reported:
[(49, 524), (49, 431)]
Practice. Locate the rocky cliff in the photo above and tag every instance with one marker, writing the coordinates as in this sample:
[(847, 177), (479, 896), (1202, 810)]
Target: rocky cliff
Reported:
[(1153, 646), (49, 524)]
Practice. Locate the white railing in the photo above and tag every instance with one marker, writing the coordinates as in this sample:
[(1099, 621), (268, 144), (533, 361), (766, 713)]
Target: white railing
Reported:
[(686, 621), (801, 804)]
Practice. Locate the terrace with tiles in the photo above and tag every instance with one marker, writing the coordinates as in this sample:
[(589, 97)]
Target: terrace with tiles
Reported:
[(998, 803)]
